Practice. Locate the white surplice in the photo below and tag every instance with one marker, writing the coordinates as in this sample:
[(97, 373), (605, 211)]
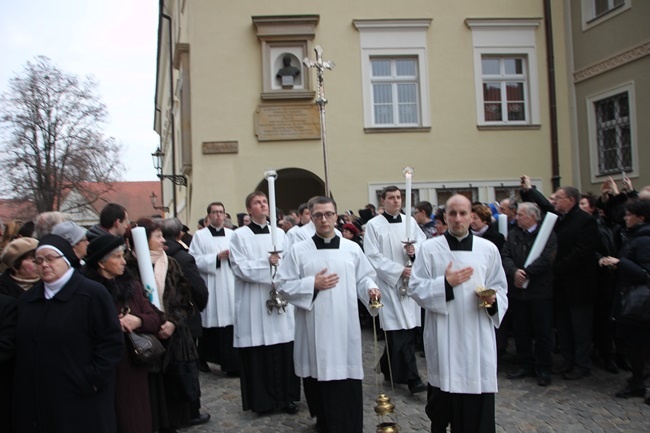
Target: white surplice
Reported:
[(220, 311), (328, 333), (254, 326), (383, 246), (459, 339)]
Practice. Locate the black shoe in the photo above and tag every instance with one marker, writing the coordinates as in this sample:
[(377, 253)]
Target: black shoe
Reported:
[(416, 386), (291, 408), (204, 367), (563, 368), (623, 363), (611, 367), (543, 379), (632, 391), (201, 419), (576, 374), (520, 373)]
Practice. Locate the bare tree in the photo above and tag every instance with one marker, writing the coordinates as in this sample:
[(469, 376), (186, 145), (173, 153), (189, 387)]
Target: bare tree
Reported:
[(51, 140)]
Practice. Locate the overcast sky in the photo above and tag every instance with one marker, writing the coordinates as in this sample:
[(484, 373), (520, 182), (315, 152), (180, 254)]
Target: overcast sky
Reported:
[(115, 41)]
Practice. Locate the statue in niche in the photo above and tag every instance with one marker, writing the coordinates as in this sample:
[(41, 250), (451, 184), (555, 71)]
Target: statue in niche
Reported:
[(287, 73)]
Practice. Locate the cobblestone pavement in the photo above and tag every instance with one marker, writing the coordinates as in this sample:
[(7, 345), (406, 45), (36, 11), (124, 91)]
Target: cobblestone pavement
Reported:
[(586, 405)]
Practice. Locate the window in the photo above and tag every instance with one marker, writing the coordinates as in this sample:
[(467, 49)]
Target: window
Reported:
[(504, 89), (395, 91), (611, 123), (505, 65), (613, 132), (394, 74), (595, 12)]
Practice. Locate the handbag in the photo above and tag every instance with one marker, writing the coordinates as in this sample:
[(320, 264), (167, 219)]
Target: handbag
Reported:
[(634, 305), (144, 348)]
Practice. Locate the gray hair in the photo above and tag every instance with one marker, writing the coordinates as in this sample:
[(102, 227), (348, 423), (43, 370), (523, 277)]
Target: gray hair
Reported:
[(531, 209), (171, 228), (110, 254), (46, 221)]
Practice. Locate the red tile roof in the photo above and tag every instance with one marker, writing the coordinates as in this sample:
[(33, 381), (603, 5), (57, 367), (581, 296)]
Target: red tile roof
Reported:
[(134, 196)]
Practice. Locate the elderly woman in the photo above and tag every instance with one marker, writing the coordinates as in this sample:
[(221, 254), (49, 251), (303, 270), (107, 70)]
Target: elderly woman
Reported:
[(171, 403), (633, 268), (21, 273), (105, 264), (68, 343)]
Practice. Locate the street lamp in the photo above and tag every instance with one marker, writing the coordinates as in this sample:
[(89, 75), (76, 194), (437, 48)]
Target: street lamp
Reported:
[(177, 179), (153, 197)]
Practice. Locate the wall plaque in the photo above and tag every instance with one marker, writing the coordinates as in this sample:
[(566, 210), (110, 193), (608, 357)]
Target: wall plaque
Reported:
[(287, 122), (211, 147)]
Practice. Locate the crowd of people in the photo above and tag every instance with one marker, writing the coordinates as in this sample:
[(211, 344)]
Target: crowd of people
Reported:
[(279, 304)]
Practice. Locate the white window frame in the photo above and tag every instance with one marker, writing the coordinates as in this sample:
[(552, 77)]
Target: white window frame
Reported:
[(590, 19), (502, 78), (592, 126), (394, 80), (392, 39), (506, 38)]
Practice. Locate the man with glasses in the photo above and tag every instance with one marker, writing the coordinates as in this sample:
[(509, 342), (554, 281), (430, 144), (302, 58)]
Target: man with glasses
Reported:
[(384, 246), (210, 248), (323, 277)]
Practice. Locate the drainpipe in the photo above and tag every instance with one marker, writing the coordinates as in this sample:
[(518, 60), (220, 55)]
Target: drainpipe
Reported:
[(552, 97)]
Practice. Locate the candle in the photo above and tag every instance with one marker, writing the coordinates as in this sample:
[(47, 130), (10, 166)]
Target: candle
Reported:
[(408, 174), (544, 233), (270, 177), (141, 247), (503, 225)]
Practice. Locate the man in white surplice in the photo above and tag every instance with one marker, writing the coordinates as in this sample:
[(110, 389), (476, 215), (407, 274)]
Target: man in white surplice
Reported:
[(384, 247), (211, 249), (323, 277), (459, 337)]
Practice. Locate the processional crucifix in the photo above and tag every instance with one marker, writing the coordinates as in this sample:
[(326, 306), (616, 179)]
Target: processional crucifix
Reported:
[(320, 66)]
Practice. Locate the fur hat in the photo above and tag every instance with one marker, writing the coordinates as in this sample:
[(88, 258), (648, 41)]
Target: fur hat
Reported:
[(101, 246), (70, 231), (16, 249), (62, 246)]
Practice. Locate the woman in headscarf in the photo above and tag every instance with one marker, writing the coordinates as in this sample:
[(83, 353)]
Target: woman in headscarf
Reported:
[(22, 272), (68, 343), (170, 405), (105, 264)]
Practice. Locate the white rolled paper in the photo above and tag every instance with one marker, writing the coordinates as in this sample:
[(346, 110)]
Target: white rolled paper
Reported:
[(141, 246), (272, 211), (544, 233), (503, 225)]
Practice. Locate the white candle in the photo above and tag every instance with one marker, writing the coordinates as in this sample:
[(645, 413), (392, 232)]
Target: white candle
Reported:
[(408, 173), (270, 177), (503, 225), (544, 233), (141, 246)]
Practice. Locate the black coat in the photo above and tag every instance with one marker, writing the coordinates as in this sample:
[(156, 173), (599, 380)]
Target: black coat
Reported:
[(192, 275), (493, 235), (67, 349), (9, 287), (539, 273), (7, 346), (575, 264)]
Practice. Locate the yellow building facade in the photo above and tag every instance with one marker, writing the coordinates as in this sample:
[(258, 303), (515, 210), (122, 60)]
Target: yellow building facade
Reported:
[(457, 90)]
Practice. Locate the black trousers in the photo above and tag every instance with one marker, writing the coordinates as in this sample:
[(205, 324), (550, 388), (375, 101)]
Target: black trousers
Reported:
[(467, 413), (533, 321), (574, 324), (336, 404), (401, 346)]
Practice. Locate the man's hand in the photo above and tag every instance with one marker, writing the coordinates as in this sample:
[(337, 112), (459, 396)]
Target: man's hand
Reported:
[(223, 255), (525, 182), (611, 183), (520, 278), (627, 184), (374, 294), (274, 259), (406, 273), (410, 250), (166, 330), (456, 278), (324, 281)]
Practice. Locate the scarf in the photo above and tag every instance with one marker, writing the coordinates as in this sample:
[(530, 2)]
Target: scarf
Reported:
[(160, 266), (481, 232), (25, 283), (51, 289)]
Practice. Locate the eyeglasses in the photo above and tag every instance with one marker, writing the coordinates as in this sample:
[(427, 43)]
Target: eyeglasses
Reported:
[(320, 215), (40, 260)]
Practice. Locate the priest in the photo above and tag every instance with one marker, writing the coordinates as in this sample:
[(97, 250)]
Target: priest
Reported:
[(265, 340), (323, 277), (384, 246), (459, 338), (211, 249)]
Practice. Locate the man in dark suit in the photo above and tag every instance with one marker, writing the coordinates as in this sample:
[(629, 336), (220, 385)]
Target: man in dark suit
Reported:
[(574, 271), (7, 350)]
